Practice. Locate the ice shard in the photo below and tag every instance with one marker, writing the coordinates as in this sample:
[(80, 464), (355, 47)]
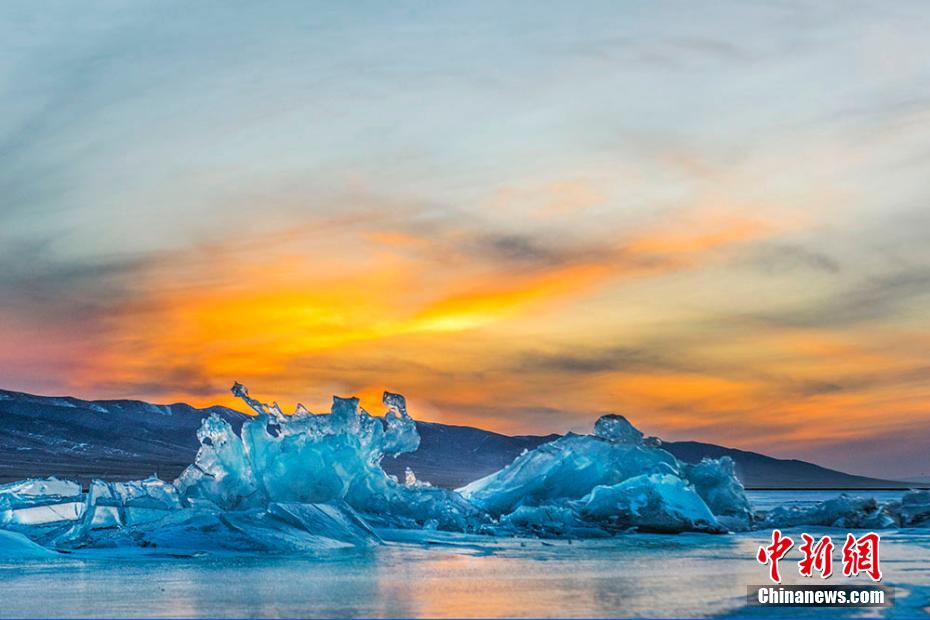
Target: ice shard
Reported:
[(841, 511), (307, 458), (39, 502), (913, 510), (612, 480), (650, 503)]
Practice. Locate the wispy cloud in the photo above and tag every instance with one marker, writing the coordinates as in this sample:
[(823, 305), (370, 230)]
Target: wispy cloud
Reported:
[(708, 218), (874, 299)]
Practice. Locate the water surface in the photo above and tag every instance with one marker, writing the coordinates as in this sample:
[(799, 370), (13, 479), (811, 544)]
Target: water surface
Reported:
[(684, 575)]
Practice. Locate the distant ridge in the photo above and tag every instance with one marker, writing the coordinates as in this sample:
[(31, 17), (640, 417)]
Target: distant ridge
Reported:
[(108, 439), (128, 439), (759, 471), (452, 456)]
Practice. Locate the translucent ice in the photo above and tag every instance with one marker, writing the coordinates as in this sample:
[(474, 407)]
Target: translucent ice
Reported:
[(307, 458), (119, 504), (567, 468), (841, 511), (303, 482), (655, 503), (649, 503), (38, 490), (548, 521), (913, 510), (17, 546), (618, 429), (37, 502), (278, 528), (716, 482), (611, 480)]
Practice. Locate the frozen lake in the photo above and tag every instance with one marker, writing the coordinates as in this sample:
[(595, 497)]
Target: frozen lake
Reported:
[(766, 500), (450, 575), (647, 575)]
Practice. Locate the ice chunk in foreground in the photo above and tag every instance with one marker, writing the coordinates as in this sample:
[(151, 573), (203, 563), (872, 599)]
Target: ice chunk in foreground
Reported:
[(654, 503), (37, 490), (567, 468), (549, 521), (279, 528), (913, 510), (611, 480), (336, 521), (119, 504), (36, 502), (401, 431), (222, 471), (307, 458), (716, 482), (14, 546)]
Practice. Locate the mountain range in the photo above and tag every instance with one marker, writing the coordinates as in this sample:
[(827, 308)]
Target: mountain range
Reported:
[(129, 439)]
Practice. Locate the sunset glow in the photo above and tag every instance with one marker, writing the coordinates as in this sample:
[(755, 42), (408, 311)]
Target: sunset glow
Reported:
[(518, 225)]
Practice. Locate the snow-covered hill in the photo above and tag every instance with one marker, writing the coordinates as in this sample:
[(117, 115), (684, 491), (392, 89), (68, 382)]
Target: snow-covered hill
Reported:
[(108, 439)]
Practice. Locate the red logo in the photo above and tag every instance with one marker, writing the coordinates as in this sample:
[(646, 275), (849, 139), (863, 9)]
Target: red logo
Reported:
[(860, 555), (817, 557), (773, 553)]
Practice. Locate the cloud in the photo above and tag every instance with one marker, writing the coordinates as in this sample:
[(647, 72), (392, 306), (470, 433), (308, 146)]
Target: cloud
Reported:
[(587, 360), (519, 248), (168, 380), (273, 297), (519, 214), (666, 51), (512, 419), (41, 285), (875, 299), (771, 258)]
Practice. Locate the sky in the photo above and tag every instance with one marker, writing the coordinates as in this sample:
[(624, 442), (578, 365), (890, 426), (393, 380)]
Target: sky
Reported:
[(709, 217)]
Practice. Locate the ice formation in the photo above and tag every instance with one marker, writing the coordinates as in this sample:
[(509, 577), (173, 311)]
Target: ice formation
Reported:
[(305, 482), (284, 483), (913, 510), (123, 504), (14, 545), (655, 502), (39, 502), (841, 511), (716, 483), (312, 459), (611, 480), (276, 528)]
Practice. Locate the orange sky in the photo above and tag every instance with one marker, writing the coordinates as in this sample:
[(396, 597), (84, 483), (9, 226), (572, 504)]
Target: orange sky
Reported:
[(711, 225), (525, 345)]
